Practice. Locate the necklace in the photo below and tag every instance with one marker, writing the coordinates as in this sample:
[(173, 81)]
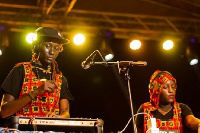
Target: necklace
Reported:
[(43, 70)]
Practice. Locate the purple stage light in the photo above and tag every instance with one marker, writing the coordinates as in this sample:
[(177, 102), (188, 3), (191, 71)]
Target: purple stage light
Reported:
[(192, 40), (108, 34), (1, 27)]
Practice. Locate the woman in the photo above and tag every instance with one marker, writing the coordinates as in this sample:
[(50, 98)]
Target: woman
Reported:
[(170, 115), (38, 88)]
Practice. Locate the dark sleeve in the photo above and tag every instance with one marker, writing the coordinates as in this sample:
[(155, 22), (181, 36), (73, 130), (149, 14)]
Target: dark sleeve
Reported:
[(139, 120), (185, 110), (65, 93), (13, 82)]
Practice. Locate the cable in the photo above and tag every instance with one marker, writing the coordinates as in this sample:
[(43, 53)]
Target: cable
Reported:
[(131, 119)]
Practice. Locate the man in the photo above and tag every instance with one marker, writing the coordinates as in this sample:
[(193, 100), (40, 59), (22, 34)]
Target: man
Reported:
[(38, 88)]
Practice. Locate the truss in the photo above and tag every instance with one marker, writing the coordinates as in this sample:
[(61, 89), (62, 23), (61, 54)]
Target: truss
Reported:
[(19, 17)]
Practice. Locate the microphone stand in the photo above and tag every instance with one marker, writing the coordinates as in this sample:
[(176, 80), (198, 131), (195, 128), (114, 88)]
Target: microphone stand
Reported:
[(126, 70), (124, 66)]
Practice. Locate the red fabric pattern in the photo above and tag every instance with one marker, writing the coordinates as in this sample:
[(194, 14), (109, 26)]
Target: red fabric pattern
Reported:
[(173, 124), (43, 103)]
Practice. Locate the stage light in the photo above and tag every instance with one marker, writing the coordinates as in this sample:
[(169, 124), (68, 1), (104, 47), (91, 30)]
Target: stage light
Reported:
[(109, 57), (135, 44), (192, 40), (167, 45), (106, 50), (106, 37), (108, 34), (191, 56), (4, 40), (31, 37), (194, 62), (79, 39), (1, 52), (1, 27)]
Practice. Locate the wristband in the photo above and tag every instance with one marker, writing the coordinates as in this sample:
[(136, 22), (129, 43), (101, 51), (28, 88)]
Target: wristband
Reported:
[(32, 97)]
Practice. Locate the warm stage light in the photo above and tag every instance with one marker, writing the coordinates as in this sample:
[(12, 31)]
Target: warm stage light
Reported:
[(79, 39), (167, 45), (31, 37), (0, 52), (135, 44)]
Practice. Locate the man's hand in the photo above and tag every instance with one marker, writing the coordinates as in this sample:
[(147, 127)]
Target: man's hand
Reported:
[(48, 86), (50, 114)]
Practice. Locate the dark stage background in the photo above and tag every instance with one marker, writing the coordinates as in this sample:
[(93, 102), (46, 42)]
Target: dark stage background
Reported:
[(99, 91)]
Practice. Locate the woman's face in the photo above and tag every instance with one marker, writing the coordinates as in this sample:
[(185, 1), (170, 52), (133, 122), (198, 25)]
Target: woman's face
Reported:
[(168, 92), (48, 52)]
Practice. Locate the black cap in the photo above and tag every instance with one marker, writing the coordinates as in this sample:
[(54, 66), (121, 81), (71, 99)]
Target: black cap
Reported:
[(49, 33)]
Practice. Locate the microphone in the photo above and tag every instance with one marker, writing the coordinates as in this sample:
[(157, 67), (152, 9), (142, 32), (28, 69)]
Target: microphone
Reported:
[(87, 62), (138, 63)]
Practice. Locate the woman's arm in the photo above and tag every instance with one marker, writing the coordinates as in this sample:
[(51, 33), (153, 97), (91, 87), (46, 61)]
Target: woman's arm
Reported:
[(192, 122), (139, 120)]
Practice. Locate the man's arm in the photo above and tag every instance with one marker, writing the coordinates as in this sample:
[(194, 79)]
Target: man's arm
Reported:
[(64, 108), (9, 105)]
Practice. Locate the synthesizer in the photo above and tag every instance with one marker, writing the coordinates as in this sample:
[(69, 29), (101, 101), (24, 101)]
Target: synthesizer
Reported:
[(55, 124)]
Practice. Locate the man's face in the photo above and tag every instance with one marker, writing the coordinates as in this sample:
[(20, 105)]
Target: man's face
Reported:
[(49, 51)]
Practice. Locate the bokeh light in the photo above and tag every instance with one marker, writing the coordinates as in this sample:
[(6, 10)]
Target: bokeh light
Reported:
[(1, 52), (109, 57), (1, 27), (135, 44), (194, 62), (31, 37), (79, 39), (167, 45)]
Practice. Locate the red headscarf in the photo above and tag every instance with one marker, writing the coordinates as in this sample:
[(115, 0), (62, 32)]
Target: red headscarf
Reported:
[(157, 80)]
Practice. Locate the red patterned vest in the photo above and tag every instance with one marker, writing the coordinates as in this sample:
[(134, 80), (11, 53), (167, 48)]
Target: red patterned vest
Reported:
[(174, 124), (45, 102)]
